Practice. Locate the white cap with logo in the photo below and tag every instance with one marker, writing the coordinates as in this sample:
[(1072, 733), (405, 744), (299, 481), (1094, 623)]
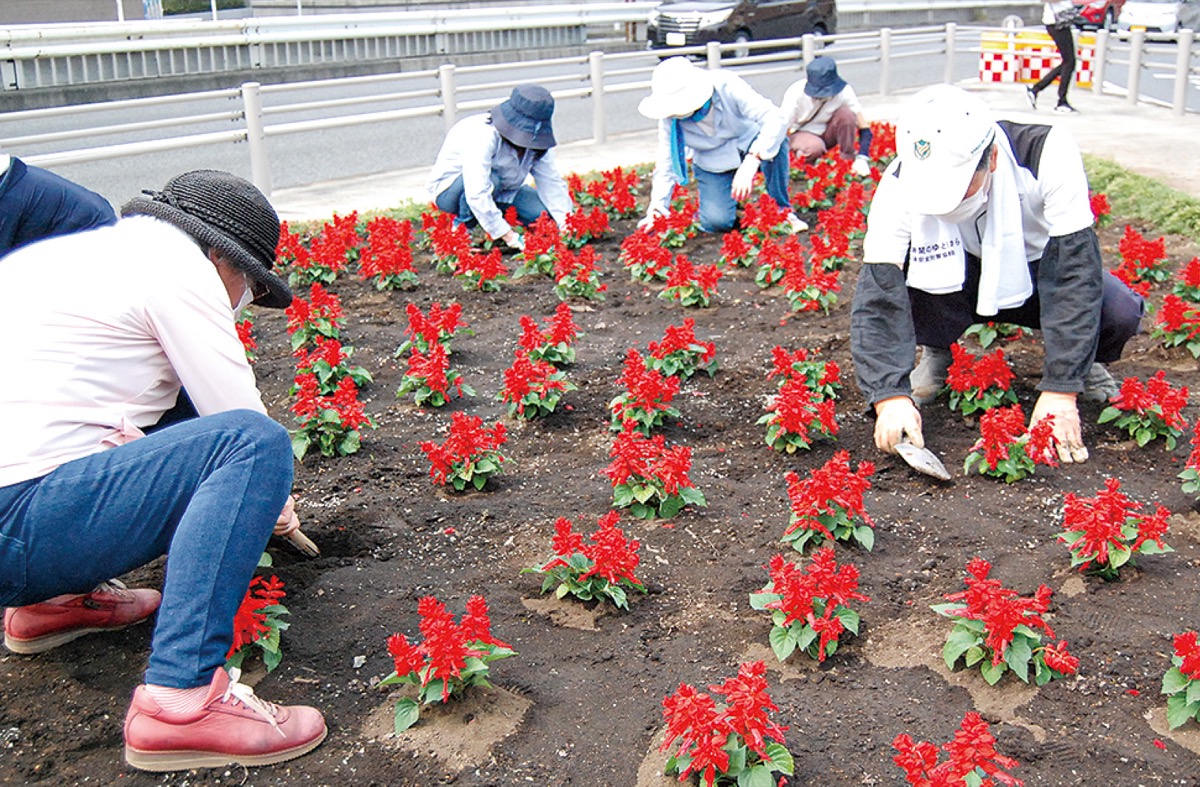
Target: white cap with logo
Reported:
[(940, 137)]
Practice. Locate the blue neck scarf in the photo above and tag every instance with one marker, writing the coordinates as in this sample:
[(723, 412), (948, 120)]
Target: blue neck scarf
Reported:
[(678, 154)]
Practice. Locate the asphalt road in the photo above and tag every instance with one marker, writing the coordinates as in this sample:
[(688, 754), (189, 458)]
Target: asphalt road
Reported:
[(368, 148)]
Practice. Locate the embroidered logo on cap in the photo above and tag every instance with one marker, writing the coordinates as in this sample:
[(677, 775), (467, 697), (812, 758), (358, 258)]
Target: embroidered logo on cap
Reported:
[(922, 149)]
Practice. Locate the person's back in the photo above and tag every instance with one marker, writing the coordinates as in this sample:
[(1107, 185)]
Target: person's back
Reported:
[(36, 203)]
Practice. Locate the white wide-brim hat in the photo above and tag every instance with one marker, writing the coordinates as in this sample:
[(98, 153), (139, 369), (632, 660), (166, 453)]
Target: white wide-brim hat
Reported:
[(677, 89), (941, 135)]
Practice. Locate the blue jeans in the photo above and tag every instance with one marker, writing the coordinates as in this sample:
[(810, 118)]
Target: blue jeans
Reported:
[(718, 210), (205, 492), (454, 200)]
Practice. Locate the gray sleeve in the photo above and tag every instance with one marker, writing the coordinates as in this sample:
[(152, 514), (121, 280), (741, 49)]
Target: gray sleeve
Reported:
[(882, 338), (1070, 288)]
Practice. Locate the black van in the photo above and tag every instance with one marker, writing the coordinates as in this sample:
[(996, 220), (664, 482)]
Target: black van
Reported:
[(690, 22)]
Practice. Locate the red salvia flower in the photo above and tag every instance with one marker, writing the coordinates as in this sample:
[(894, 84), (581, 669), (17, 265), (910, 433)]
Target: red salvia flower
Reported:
[(250, 621)]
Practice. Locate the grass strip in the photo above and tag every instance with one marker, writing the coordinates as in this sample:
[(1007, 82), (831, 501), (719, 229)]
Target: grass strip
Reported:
[(1139, 197)]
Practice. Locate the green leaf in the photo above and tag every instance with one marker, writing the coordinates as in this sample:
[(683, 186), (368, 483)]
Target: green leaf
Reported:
[(957, 643), (780, 758), (643, 493), (407, 713), (974, 655), (849, 619), (1017, 655), (865, 535), (1179, 711), (300, 443), (1174, 681), (760, 600), (1193, 693), (479, 480), (992, 673), (758, 776), (265, 560), (668, 508), (622, 496), (782, 643)]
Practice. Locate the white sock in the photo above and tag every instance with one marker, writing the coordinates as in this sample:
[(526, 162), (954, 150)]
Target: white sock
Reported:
[(178, 700)]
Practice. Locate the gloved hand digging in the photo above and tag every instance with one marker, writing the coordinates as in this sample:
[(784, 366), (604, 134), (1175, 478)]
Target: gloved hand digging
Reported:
[(743, 179), (1068, 434), (895, 418), (861, 166)]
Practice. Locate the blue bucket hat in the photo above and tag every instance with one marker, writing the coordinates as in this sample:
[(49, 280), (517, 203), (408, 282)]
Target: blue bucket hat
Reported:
[(823, 80), (524, 119)]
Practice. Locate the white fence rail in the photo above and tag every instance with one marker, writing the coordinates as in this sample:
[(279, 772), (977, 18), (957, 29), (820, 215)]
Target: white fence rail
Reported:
[(443, 91), (33, 56)]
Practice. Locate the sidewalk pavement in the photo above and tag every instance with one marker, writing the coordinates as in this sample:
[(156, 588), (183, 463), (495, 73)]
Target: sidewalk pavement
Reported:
[(1149, 140)]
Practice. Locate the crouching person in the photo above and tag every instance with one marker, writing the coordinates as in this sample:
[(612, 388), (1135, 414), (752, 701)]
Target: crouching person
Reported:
[(106, 326)]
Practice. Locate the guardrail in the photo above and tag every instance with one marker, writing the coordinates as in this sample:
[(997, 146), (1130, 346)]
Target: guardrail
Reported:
[(443, 91), (38, 56)]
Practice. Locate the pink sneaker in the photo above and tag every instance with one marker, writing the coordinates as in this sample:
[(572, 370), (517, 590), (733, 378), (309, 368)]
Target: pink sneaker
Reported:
[(233, 727), (40, 627)]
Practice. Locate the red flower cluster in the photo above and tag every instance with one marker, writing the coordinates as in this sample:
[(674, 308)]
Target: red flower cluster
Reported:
[(644, 257), (245, 334), (736, 250), (465, 444), (971, 753), (808, 285), (1187, 281), (699, 730), (1000, 609), (1105, 531), (648, 394), (291, 251), (821, 377), (449, 242), (250, 622), (820, 589), (576, 274), (1148, 410), (532, 382), (432, 370), (830, 497), (1187, 648), (439, 326), (484, 272), (583, 226), (615, 190), (613, 557), (1142, 261), (553, 344), (883, 141), (981, 383), (763, 218), (680, 353), (447, 645), (1101, 209), (776, 258), (792, 414), (320, 315), (679, 223), (1007, 448), (387, 257), (637, 457), (310, 405), (691, 285)]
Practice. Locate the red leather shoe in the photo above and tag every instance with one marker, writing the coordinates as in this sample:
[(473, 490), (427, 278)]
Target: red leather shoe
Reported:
[(233, 727), (40, 627)]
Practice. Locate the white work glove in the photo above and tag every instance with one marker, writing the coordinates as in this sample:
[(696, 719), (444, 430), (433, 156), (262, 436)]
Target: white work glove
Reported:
[(861, 167), (743, 179), (1067, 432), (894, 418), (288, 522), (647, 221), (513, 240)]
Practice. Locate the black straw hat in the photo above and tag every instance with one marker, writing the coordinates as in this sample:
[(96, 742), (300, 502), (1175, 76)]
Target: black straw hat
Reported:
[(823, 80), (227, 213), (524, 119)]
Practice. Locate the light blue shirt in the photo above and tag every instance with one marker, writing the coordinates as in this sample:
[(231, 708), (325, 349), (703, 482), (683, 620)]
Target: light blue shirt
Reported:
[(475, 150), (740, 120)]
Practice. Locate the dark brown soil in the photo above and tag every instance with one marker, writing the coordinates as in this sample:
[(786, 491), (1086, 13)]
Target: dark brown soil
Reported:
[(592, 698)]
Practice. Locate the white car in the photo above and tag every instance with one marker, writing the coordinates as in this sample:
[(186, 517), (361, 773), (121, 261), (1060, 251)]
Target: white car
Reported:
[(1159, 16)]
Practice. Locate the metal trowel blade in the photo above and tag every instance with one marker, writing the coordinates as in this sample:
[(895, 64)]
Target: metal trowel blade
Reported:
[(922, 460)]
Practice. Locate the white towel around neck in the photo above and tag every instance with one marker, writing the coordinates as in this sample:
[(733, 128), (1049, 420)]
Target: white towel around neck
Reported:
[(937, 259)]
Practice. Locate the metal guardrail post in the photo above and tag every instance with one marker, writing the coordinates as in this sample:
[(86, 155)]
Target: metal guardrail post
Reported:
[(599, 121), (256, 137), (1183, 62), (1100, 61), (885, 60), (449, 101), (712, 53), (1136, 44), (808, 47), (951, 43)]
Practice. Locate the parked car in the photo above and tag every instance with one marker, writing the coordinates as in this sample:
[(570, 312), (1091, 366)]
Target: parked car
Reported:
[(1160, 16), (693, 22), (1094, 14)]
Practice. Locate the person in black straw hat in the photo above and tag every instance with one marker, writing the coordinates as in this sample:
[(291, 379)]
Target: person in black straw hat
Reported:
[(823, 112), (485, 159), (107, 326)]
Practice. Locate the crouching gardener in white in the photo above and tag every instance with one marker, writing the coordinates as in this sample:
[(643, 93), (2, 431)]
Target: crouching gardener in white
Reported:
[(975, 221)]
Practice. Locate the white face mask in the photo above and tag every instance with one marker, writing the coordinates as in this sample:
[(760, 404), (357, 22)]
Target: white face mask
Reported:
[(247, 296), (970, 207)]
